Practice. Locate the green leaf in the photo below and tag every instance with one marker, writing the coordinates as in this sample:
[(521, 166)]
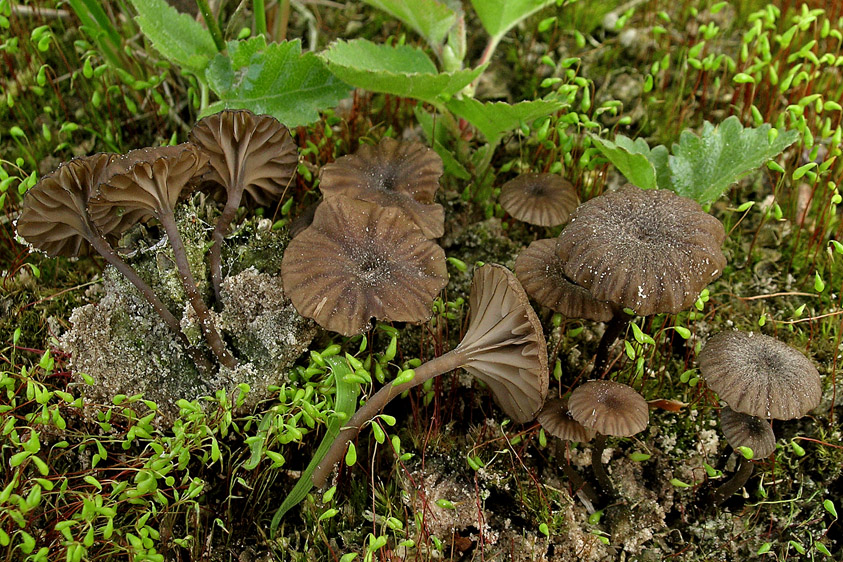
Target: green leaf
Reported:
[(703, 167), (494, 119), (275, 79), (402, 70), (178, 37), (630, 158), (429, 18), (499, 16)]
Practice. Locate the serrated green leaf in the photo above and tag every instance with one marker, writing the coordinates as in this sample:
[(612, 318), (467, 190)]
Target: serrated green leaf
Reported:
[(630, 158), (494, 119), (178, 37), (499, 16), (703, 167), (275, 79), (402, 71), (429, 18)]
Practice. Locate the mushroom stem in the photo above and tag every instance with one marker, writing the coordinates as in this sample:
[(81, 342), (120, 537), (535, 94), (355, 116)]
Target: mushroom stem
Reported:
[(614, 328), (581, 488), (725, 490), (426, 371), (597, 465), (106, 251), (206, 323), (220, 230)]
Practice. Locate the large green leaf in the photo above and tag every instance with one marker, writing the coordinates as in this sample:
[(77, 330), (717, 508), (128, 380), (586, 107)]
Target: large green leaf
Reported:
[(178, 37), (703, 167), (402, 71), (630, 158), (276, 79), (499, 16), (429, 18), (494, 119)]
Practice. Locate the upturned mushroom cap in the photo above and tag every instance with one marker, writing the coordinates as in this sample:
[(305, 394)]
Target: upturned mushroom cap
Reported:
[(146, 181), (760, 376), (504, 345), (650, 250), (556, 419), (252, 151), (609, 408), (742, 430), (541, 272), (55, 210), (359, 260), (391, 174), (540, 199)]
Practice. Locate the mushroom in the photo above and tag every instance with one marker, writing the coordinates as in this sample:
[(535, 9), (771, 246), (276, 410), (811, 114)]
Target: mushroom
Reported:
[(608, 408), (55, 219), (652, 251), (149, 182), (540, 199), (391, 174), (760, 376), (248, 154), (358, 260), (504, 347), (541, 272)]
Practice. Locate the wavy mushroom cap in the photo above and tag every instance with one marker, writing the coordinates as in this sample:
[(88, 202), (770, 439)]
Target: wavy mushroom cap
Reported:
[(649, 250), (540, 199), (742, 430), (760, 376), (254, 152), (556, 419), (358, 260), (541, 271), (609, 408), (391, 174), (504, 343), (55, 216), (146, 181)]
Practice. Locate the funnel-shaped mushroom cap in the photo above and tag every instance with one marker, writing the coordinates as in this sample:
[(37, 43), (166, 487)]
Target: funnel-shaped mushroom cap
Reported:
[(55, 210), (650, 250), (541, 199), (357, 261), (760, 376), (391, 174), (146, 181), (609, 408), (742, 430), (247, 151), (541, 271), (557, 420), (504, 343)]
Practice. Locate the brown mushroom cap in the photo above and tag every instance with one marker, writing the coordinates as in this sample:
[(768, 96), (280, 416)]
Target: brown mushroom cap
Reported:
[(255, 152), (540, 199), (540, 270), (650, 250), (760, 376), (146, 181), (609, 408), (55, 210), (359, 260), (742, 430), (391, 174), (556, 419), (504, 345)]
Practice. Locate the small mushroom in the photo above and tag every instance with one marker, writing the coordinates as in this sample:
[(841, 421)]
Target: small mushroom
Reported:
[(391, 174), (504, 346), (248, 154), (742, 430), (359, 260), (149, 182), (541, 271), (540, 199), (608, 408), (760, 376)]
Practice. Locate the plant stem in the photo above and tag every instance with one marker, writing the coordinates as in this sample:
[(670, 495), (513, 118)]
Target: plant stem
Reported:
[(735, 483), (211, 22), (283, 20), (260, 16), (437, 366)]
